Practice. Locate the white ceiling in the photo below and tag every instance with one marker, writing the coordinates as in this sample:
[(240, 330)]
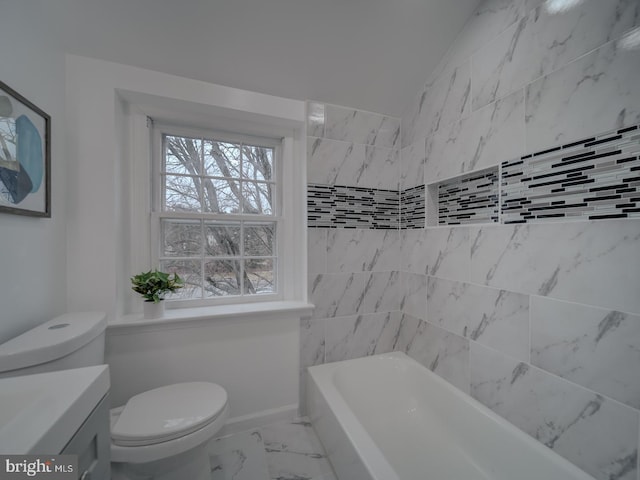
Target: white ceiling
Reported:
[(369, 54)]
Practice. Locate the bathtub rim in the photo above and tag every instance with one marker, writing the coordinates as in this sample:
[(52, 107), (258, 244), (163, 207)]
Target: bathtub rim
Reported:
[(364, 445)]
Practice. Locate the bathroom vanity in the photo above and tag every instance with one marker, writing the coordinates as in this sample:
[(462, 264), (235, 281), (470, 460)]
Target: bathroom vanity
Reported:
[(62, 412)]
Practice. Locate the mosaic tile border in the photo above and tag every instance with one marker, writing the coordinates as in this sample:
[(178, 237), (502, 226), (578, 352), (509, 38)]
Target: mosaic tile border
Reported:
[(412, 208), (469, 199), (591, 179), (339, 206)]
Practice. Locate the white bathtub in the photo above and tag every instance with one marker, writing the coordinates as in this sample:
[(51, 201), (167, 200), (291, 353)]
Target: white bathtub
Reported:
[(386, 417)]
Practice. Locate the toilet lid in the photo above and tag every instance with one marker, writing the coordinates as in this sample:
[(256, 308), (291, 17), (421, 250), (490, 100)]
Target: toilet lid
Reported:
[(166, 413)]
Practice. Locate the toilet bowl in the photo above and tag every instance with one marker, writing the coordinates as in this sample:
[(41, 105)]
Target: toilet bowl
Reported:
[(162, 433), (158, 434)]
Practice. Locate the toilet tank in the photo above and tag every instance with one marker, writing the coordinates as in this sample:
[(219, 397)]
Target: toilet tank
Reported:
[(72, 340)]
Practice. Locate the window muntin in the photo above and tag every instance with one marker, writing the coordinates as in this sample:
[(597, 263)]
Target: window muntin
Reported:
[(218, 216)]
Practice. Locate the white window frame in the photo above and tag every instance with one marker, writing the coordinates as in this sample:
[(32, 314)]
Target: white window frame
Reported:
[(159, 129)]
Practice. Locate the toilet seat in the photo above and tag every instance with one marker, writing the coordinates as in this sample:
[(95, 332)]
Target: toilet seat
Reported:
[(168, 413)]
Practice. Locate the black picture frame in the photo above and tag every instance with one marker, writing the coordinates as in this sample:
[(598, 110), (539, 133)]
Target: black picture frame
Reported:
[(25, 156)]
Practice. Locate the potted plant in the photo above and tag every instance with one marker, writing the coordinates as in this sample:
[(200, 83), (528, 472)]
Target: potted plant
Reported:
[(153, 285)]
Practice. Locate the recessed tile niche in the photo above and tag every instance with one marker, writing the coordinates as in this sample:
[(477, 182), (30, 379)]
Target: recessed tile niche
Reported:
[(467, 199)]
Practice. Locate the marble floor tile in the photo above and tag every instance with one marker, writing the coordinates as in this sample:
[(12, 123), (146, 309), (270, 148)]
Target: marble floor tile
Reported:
[(238, 457), (294, 452)]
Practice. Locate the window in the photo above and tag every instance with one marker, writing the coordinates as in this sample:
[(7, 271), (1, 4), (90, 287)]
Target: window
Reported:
[(217, 215)]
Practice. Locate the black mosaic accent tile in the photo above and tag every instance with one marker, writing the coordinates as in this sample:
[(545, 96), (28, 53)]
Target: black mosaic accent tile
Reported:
[(339, 206), (412, 208), (469, 199), (591, 179)]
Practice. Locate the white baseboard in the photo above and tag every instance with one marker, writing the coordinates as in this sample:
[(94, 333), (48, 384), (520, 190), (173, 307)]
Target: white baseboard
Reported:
[(258, 419)]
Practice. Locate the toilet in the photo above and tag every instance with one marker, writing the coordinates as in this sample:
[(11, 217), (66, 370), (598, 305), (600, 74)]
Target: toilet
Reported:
[(159, 434)]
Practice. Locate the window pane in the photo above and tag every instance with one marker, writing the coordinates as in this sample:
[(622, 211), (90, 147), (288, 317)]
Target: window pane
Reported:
[(183, 155), (257, 163), (259, 239), (181, 194), (258, 198), (222, 278), (181, 238), (221, 159), (260, 276), (222, 239), (189, 272), (221, 196)]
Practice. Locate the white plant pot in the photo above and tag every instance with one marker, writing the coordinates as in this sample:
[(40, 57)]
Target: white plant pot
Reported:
[(153, 310)]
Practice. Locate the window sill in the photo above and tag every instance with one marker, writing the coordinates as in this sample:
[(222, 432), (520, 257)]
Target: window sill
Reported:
[(188, 317)]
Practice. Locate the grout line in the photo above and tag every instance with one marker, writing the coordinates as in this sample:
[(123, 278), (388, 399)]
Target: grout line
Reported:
[(558, 378)]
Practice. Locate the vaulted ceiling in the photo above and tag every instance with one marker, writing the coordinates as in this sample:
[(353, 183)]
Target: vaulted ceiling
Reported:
[(369, 54)]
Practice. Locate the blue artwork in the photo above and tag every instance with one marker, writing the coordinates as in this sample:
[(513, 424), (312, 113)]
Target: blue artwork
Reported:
[(29, 151), (24, 156)]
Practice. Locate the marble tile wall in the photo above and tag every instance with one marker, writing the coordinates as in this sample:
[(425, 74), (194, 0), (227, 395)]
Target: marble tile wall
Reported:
[(354, 279), (539, 322)]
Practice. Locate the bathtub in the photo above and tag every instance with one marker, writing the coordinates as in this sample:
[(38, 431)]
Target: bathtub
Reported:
[(386, 417)]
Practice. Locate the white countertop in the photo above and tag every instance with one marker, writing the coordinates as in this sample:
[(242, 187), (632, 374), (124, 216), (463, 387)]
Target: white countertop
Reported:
[(40, 413)]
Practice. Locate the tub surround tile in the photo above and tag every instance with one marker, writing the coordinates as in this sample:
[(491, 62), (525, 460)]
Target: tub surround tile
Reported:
[(312, 346), (492, 317), (596, 93), (491, 18), (331, 162), (361, 335), (238, 457), (485, 138), (537, 81), (442, 101), (597, 434), (448, 252), (413, 294), (381, 168), (361, 127), (542, 42), (412, 158), (315, 119), (357, 250), (413, 251), (316, 250), (312, 342), (590, 346), (294, 451), (564, 261), (336, 295), (442, 252), (440, 351), (380, 292)]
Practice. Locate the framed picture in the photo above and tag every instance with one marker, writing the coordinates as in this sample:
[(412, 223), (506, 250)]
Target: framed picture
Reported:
[(25, 156)]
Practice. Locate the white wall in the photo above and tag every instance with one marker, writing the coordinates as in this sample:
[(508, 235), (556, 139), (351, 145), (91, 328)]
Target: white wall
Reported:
[(254, 357), (95, 90), (33, 253)]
